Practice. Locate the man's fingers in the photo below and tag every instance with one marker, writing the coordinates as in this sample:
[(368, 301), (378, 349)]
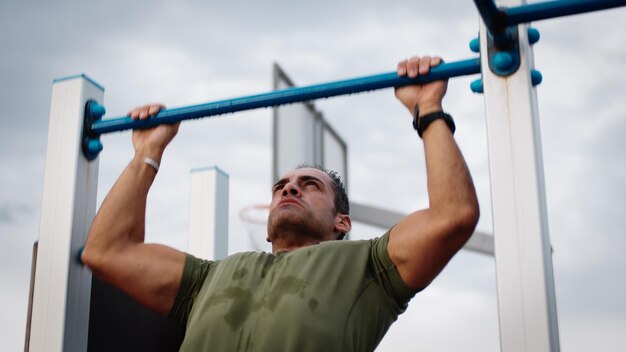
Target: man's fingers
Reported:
[(154, 108), (134, 113), (424, 65), (413, 66), (402, 68), (418, 65), (143, 112)]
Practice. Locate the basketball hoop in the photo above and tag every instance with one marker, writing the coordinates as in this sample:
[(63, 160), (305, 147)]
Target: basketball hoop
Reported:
[(254, 218)]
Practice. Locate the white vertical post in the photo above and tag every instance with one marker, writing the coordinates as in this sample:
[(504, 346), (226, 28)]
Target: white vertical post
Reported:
[(526, 299), (60, 313), (208, 213)]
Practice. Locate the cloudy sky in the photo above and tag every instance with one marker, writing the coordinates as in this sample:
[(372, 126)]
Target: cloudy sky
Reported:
[(187, 52)]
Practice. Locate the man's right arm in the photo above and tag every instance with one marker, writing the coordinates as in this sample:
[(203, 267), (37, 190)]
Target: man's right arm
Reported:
[(115, 250)]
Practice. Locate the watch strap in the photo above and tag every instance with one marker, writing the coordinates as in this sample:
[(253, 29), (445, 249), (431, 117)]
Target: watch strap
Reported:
[(421, 123)]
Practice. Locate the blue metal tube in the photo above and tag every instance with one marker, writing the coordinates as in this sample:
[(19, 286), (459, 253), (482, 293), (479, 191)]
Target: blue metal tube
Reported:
[(491, 15), (497, 20), (287, 96), (558, 8)]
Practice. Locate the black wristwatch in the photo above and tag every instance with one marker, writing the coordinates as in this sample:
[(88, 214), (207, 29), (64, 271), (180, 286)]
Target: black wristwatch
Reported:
[(421, 123)]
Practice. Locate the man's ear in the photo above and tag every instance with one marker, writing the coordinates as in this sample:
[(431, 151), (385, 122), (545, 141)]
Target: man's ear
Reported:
[(343, 223)]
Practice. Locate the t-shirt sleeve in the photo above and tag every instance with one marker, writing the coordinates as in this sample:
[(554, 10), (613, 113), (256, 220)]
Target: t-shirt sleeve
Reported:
[(387, 274), (194, 273)]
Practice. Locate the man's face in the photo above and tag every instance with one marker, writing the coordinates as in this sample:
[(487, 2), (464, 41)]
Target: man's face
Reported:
[(303, 202)]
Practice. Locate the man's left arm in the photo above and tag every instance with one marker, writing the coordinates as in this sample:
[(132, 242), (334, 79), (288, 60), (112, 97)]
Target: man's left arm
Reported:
[(422, 243)]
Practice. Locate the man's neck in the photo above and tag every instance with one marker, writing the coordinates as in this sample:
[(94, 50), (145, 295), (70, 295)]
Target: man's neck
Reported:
[(289, 238), (290, 244)]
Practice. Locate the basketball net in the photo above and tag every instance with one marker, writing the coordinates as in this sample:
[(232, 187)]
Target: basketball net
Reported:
[(254, 219)]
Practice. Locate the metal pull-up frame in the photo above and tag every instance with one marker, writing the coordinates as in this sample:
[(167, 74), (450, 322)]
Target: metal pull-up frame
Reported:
[(503, 59), (526, 299)]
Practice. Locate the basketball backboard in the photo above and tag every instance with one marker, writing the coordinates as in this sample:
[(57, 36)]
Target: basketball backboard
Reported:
[(301, 135)]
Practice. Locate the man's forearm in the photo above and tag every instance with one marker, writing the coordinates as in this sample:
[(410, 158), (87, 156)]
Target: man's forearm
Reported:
[(121, 218), (422, 243), (149, 273), (450, 187)]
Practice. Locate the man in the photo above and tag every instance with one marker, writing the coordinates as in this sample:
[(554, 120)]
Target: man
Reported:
[(312, 293)]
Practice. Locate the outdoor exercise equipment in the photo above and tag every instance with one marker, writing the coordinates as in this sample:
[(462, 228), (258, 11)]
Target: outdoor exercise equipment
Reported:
[(503, 58), (526, 301)]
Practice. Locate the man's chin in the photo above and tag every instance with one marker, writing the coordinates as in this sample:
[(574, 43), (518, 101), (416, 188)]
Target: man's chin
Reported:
[(289, 212), (286, 222)]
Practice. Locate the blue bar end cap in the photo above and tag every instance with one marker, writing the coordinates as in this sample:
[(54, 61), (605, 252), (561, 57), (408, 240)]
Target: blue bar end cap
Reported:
[(533, 35), (477, 86), (535, 77), (90, 141), (474, 45), (79, 255), (504, 56)]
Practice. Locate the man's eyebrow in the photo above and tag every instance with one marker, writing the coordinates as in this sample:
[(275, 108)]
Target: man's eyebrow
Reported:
[(282, 181), (308, 178)]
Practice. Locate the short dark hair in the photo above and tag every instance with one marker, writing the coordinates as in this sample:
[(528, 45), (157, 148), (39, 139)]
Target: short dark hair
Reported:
[(342, 204)]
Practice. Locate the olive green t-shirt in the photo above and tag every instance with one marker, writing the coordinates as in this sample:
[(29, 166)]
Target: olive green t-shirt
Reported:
[(333, 296)]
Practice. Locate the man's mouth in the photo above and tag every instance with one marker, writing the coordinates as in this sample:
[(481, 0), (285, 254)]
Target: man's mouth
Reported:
[(289, 201)]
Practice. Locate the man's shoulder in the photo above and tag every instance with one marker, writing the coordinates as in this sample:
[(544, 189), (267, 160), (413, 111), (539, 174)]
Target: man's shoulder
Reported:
[(370, 242), (347, 249), (242, 257)]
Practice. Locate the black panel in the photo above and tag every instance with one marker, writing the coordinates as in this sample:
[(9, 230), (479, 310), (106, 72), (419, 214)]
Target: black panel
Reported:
[(118, 323)]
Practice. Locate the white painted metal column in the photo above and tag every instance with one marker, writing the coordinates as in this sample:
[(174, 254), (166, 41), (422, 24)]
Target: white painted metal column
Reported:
[(526, 299), (60, 313), (208, 213)]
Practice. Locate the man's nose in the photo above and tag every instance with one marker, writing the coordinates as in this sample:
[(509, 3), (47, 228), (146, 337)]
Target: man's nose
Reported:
[(291, 188)]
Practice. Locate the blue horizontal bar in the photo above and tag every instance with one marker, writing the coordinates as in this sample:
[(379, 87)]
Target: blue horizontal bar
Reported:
[(558, 8), (287, 96), (497, 20)]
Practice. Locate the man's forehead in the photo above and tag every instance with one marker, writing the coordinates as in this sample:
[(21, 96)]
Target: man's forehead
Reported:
[(308, 171)]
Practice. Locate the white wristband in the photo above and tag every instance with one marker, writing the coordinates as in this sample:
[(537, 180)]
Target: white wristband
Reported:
[(152, 163)]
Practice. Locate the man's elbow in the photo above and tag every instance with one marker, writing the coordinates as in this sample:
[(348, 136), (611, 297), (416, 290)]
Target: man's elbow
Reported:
[(95, 253), (466, 219), (459, 221), (91, 257)]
